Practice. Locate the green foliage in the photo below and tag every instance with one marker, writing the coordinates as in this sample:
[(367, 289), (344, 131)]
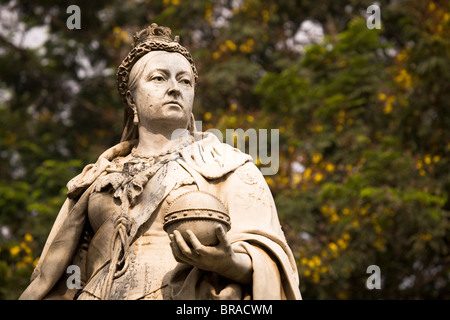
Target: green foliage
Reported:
[(362, 111), (375, 188)]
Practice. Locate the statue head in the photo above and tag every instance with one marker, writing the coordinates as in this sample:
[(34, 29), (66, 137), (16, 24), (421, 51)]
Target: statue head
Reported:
[(149, 40)]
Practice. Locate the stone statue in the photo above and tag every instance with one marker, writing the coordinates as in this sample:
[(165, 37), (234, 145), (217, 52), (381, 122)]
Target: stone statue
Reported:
[(169, 212)]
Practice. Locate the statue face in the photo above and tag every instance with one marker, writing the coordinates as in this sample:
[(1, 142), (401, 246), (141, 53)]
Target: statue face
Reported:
[(164, 90)]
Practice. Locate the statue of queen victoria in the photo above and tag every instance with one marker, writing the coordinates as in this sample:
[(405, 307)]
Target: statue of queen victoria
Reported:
[(169, 212)]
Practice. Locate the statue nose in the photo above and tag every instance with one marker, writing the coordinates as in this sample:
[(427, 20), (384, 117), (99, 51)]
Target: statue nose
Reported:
[(174, 92), (174, 89)]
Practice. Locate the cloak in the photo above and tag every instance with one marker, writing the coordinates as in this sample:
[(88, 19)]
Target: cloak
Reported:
[(217, 168)]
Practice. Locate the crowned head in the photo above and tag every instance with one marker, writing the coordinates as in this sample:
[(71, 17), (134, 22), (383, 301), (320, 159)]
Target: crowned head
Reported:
[(150, 39)]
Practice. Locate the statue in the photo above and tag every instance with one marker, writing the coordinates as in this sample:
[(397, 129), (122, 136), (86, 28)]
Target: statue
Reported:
[(169, 212)]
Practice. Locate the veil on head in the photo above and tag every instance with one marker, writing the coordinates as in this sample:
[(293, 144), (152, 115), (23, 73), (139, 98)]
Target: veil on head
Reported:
[(152, 38)]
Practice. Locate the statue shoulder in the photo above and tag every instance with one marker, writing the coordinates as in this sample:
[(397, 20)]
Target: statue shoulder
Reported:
[(91, 172), (213, 159)]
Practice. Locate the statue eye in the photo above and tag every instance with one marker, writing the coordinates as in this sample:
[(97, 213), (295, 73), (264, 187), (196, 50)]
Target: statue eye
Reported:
[(157, 78), (186, 82)]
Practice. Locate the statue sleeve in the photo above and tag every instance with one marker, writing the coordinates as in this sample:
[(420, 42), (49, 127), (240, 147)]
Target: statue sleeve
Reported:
[(256, 231)]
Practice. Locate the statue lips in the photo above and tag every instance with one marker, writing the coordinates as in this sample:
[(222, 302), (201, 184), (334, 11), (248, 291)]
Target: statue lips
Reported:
[(174, 103)]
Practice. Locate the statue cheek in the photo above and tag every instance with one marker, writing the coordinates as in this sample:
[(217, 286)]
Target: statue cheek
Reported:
[(148, 100)]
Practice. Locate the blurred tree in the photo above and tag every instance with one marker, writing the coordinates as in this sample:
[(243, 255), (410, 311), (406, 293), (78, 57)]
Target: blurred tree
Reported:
[(361, 114), (371, 131)]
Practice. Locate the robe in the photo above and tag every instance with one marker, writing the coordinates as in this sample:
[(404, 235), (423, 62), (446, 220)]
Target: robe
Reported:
[(217, 168)]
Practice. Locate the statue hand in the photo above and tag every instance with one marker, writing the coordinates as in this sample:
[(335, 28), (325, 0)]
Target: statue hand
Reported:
[(220, 258)]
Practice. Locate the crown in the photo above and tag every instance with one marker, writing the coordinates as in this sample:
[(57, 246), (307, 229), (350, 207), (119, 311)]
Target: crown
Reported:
[(154, 32)]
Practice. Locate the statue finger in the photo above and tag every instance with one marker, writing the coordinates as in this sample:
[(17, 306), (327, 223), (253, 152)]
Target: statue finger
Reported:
[(221, 235), (175, 249), (182, 245), (197, 246)]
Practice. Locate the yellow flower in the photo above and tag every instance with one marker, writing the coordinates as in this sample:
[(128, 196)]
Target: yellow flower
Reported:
[(250, 118), (403, 79), (382, 96), (307, 273), (436, 159), (25, 247), (333, 246), (317, 157), (316, 277), (419, 165), (307, 173), (28, 237), (342, 244), (446, 17), (317, 261), (334, 218), (296, 178), (364, 210), (207, 116), (325, 210), (233, 107), (318, 177), (345, 211), (379, 244), (14, 251), (231, 45), (318, 128), (245, 48), (324, 269), (377, 228), (216, 55), (265, 15), (304, 261), (208, 13), (402, 56), (329, 167), (425, 236), (388, 106), (427, 159), (269, 181)]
